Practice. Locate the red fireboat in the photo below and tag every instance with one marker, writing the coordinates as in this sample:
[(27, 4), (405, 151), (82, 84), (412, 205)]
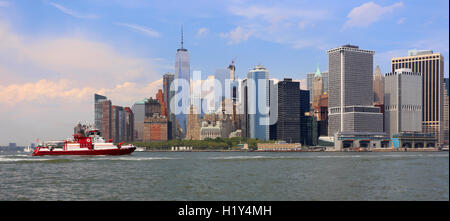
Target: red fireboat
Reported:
[(84, 142)]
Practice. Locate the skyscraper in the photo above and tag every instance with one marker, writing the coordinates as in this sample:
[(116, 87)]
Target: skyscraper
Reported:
[(138, 109), (118, 124), (304, 102), (129, 124), (310, 83), (106, 128), (288, 124), (258, 98), (378, 92), (378, 86), (182, 72), (244, 108), (122, 125), (309, 130), (325, 81), (234, 87), (160, 98), (220, 75), (115, 124), (431, 66), (193, 127), (155, 128), (98, 110), (168, 95), (317, 86), (446, 117), (321, 113), (152, 106), (350, 97), (403, 102)]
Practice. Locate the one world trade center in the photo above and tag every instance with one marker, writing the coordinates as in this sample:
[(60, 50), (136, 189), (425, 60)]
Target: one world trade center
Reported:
[(182, 77)]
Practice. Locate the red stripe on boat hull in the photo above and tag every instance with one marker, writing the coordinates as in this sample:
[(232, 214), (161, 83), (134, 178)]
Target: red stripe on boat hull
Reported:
[(121, 151)]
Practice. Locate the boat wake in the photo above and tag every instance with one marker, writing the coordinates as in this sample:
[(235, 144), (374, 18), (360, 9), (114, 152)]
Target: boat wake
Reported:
[(28, 159), (132, 158), (23, 158)]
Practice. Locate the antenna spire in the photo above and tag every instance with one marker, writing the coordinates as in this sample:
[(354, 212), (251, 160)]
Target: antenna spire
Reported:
[(181, 36)]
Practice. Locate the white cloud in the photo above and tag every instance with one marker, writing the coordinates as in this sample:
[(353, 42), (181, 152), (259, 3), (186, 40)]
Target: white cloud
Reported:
[(202, 32), (48, 110), (127, 93), (65, 91), (237, 35), (145, 30), (72, 12), (368, 13), (279, 24), (42, 91), (401, 20), (48, 82), (82, 60)]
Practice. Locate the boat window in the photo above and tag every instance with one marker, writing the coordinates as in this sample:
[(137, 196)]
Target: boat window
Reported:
[(94, 133)]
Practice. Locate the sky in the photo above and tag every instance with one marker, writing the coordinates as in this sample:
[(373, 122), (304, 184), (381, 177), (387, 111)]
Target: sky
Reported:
[(55, 54)]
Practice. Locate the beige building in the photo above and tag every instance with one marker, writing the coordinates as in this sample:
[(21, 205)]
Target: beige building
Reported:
[(210, 130), (155, 128), (193, 127), (378, 87), (222, 127), (317, 86), (279, 146), (431, 66)]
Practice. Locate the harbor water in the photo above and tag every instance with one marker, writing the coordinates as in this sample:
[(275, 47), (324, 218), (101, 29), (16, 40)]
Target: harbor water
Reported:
[(227, 176)]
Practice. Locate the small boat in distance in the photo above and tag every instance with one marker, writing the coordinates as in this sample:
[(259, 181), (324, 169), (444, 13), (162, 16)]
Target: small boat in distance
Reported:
[(27, 149), (85, 141), (140, 149)]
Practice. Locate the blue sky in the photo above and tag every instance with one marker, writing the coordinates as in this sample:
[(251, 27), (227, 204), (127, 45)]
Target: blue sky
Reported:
[(289, 37), (53, 51)]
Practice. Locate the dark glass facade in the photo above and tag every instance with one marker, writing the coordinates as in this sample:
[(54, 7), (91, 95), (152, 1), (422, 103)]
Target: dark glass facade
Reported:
[(289, 109), (309, 131), (98, 110), (304, 102)]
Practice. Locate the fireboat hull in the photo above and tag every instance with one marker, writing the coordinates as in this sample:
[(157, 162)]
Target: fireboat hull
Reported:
[(121, 151)]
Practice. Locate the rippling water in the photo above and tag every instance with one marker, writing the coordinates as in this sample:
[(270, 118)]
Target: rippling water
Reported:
[(226, 176)]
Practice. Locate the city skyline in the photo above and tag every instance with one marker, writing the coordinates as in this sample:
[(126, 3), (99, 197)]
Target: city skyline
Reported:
[(40, 87)]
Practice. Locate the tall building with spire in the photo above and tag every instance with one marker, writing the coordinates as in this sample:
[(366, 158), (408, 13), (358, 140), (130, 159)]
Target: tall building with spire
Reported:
[(310, 83), (317, 85), (182, 62), (378, 87), (182, 72), (234, 87)]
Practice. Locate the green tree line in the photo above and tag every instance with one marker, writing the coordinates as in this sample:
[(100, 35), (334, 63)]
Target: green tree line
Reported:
[(207, 144)]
